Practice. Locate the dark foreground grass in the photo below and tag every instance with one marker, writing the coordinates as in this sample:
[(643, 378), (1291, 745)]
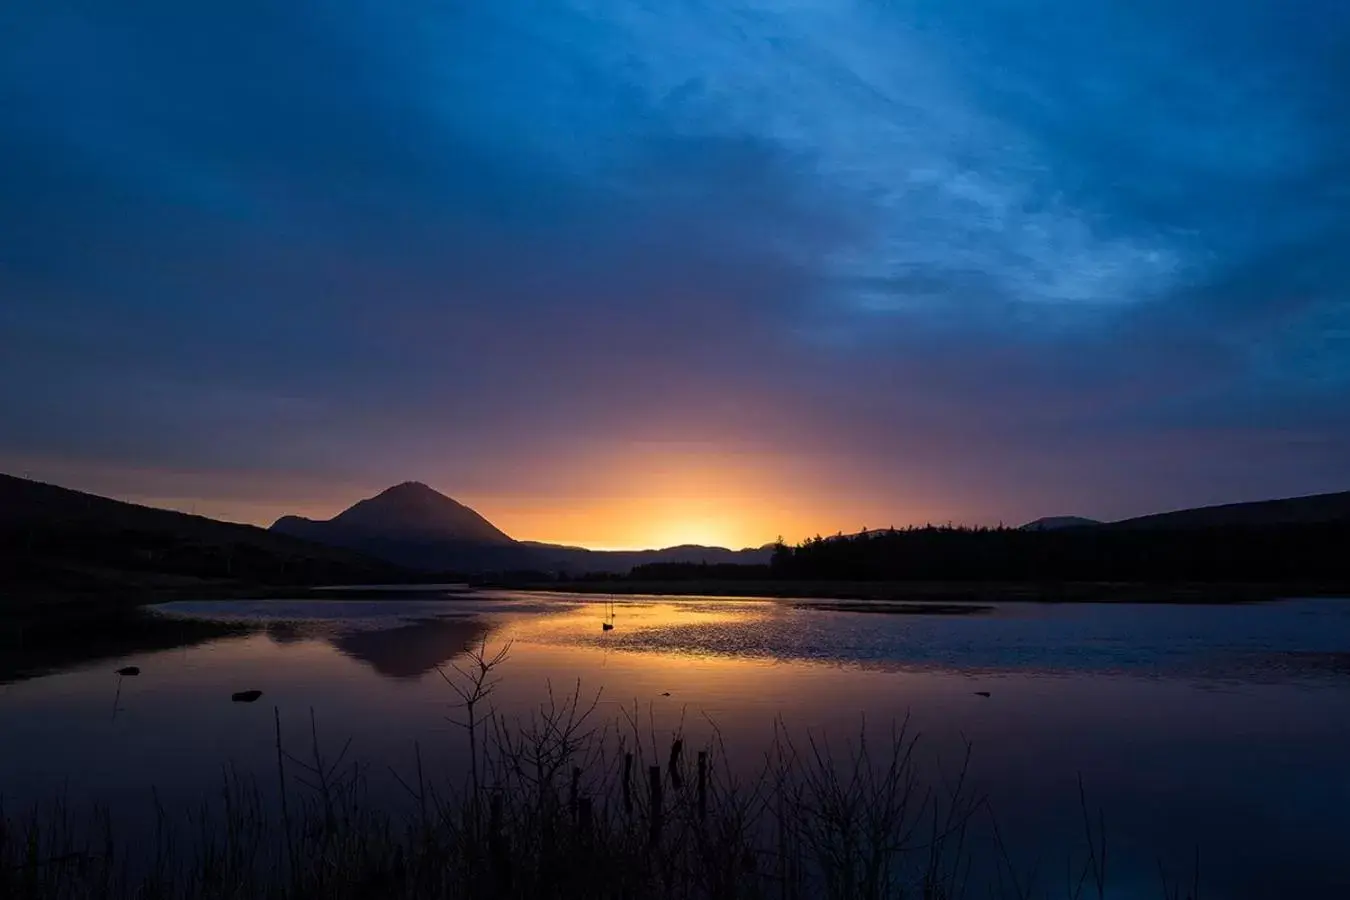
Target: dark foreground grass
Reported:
[(555, 805)]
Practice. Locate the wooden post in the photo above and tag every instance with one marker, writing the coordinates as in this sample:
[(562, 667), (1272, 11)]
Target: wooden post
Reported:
[(702, 784), (498, 847), (676, 748), (628, 783), (584, 816), (654, 792)]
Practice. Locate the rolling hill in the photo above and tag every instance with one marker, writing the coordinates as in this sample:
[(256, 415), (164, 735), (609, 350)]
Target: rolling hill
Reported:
[(1310, 510), (1315, 509), (1054, 523), (59, 542)]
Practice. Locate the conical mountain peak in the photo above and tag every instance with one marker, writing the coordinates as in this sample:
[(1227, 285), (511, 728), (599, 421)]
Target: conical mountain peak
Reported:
[(412, 510), (411, 490)]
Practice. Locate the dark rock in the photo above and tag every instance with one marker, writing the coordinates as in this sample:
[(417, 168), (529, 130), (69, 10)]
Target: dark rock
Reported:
[(982, 693), (245, 696), (129, 670)]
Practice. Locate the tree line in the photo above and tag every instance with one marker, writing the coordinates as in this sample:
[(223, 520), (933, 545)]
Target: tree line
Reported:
[(1298, 553)]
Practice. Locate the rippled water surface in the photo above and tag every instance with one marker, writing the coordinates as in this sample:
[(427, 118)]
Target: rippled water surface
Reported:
[(1222, 729)]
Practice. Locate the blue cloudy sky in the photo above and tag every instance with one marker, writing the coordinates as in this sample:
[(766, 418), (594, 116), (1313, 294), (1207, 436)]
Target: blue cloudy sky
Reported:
[(786, 266)]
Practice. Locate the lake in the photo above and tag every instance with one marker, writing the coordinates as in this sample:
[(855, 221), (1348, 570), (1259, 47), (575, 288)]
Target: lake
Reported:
[(1221, 732)]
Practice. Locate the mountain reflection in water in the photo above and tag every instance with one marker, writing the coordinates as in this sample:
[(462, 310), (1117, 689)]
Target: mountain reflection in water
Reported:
[(410, 651)]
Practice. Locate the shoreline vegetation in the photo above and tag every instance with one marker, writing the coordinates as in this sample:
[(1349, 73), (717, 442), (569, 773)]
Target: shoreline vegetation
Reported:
[(559, 804)]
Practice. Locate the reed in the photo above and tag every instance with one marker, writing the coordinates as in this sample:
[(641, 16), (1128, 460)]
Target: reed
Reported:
[(547, 808)]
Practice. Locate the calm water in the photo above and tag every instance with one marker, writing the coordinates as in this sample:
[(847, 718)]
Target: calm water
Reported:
[(1222, 727)]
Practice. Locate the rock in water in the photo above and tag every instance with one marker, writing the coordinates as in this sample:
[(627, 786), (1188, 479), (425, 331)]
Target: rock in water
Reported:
[(245, 696), (982, 693), (129, 670)]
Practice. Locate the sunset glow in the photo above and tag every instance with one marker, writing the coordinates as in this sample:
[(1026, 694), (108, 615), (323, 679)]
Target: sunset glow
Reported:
[(648, 497), (664, 275)]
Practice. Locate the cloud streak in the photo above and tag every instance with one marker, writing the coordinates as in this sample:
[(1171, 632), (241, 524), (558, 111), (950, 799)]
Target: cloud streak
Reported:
[(1003, 259)]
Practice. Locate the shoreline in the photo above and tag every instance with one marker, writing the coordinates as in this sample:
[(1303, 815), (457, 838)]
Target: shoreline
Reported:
[(945, 592)]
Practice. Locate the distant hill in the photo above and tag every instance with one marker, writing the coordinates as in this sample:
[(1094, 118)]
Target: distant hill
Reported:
[(577, 560), (55, 541), (1311, 510), (416, 526), (1054, 523)]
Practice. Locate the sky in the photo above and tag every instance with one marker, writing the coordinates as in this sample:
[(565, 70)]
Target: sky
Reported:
[(627, 273)]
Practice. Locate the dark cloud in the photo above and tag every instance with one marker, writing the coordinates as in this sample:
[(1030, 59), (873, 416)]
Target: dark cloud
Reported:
[(1032, 257)]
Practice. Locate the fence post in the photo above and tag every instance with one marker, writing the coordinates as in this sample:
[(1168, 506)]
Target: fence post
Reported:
[(498, 847), (702, 784), (628, 783), (676, 780), (584, 815), (654, 790)]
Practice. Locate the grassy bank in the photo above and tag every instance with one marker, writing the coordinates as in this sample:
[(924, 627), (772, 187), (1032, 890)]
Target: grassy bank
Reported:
[(558, 805)]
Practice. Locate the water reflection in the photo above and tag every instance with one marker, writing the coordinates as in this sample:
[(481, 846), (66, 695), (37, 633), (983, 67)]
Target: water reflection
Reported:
[(287, 632), (412, 650), (1223, 726), (56, 642)]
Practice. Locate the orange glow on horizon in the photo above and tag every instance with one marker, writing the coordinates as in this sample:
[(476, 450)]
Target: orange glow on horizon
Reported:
[(667, 498), (632, 497)]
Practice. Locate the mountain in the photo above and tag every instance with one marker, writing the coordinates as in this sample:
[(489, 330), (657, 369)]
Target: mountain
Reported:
[(55, 541), (1054, 523), (415, 526), (412, 525), (407, 512), (1310, 510)]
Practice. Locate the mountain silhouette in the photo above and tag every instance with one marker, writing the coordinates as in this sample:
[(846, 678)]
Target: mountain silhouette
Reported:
[(1313, 509), (59, 542), (416, 526), (1052, 523), (408, 511), (66, 543), (1309, 510)]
